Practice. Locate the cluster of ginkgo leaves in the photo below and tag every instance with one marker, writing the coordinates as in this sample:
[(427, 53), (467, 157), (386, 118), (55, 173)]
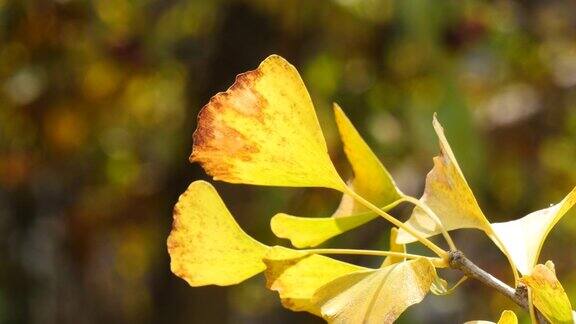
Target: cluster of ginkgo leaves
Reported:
[(264, 131)]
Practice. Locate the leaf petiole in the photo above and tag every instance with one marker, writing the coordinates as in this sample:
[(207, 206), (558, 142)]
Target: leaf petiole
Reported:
[(438, 262), (394, 203), (434, 218), (531, 307), (364, 252), (435, 248)]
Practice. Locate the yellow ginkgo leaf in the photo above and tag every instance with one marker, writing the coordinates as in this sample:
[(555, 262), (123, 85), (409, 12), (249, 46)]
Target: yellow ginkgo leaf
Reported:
[(548, 295), (206, 245), (375, 296), (263, 130), (507, 317), (296, 275), (447, 193), (524, 237), (371, 180), (312, 231), (394, 247)]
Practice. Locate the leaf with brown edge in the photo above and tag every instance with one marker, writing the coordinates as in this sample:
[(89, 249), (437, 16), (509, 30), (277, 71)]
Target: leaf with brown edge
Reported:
[(548, 294), (447, 193), (371, 180), (375, 296), (264, 131), (524, 237), (449, 196), (296, 275), (206, 245)]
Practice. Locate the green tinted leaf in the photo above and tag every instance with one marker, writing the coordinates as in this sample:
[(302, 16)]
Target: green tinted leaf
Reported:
[(508, 317), (309, 231), (371, 180)]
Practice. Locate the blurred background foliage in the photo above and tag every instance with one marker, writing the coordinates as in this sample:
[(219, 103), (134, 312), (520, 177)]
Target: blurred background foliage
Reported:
[(98, 101)]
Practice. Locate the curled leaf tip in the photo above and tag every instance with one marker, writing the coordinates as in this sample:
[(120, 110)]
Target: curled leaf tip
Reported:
[(448, 194)]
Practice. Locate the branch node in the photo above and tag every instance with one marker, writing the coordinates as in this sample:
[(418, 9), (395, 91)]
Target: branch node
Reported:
[(521, 292), (456, 259), (519, 295)]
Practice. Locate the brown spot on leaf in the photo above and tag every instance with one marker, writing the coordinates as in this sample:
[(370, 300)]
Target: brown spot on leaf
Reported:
[(288, 303), (217, 144)]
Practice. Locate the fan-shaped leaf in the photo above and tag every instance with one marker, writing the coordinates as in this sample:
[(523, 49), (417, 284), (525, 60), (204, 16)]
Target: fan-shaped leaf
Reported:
[(263, 130), (375, 296), (206, 245), (312, 231), (371, 179), (296, 275)]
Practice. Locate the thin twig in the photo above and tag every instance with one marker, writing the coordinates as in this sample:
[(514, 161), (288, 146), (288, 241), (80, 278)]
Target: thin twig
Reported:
[(459, 261)]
